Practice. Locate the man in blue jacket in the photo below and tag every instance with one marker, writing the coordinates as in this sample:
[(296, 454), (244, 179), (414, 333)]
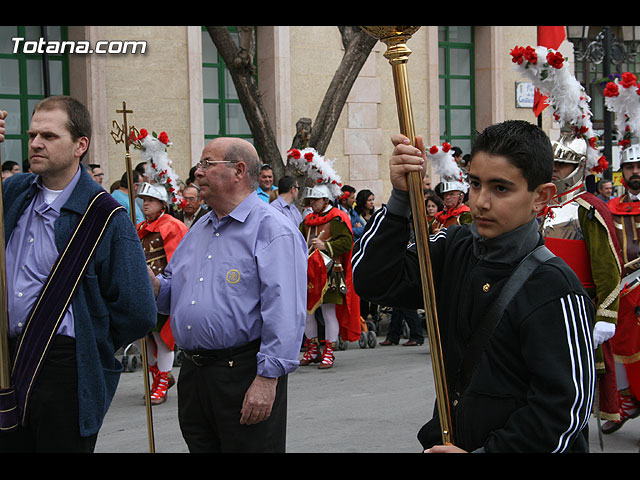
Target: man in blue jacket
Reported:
[(72, 390)]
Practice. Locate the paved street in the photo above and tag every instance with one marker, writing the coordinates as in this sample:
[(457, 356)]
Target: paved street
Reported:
[(372, 401)]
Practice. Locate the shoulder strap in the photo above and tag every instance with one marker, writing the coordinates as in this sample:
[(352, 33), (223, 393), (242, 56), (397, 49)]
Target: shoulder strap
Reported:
[(481, 337), (53, 301)]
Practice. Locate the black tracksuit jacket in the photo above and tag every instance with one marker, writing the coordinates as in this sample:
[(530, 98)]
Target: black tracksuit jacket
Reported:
[(533, 387)]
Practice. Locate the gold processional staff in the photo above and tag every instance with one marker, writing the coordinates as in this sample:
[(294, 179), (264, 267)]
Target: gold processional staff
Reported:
[(397, 53), (123, 133)]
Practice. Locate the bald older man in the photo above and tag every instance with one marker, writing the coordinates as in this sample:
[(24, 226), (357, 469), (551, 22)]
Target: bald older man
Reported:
[(236, 292)]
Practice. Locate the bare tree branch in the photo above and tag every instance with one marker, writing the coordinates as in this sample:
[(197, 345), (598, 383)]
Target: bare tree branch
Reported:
[(239, 59)]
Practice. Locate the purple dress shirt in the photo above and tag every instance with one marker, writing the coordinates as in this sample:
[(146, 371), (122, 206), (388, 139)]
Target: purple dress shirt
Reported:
[(236, 279), (289, 210), (31, 252)]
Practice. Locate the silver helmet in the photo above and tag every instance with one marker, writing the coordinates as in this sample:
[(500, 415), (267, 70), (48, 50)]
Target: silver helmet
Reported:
[(454, 185), (153, 190), (572, 150), (319, 191), (630, 154)]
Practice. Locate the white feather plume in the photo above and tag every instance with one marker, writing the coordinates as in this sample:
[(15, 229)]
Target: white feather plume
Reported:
[(317, 167), (444, 164), (564, 93), (623, 99), (159, 167)]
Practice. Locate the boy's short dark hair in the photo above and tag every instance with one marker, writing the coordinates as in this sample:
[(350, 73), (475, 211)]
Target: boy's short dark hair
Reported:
[(525, 145)]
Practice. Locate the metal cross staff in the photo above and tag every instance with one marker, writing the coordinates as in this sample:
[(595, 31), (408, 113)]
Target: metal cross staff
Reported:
[(5, 364), (122, 134)]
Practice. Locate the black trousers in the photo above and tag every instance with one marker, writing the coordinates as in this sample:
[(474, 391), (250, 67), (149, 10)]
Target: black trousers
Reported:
[(52, 424), (210, 400), (413, 322)]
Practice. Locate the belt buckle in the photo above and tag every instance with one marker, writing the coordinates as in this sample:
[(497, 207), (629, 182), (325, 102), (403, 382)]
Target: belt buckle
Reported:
[(194, 359)]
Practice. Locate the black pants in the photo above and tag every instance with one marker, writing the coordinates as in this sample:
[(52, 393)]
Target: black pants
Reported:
[(209, 403), (413, 322), (52, 424)]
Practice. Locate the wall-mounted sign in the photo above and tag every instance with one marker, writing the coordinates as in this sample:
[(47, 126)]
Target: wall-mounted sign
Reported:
[(524, 94)]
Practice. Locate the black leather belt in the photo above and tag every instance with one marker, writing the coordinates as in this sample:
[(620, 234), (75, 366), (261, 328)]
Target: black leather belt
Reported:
[(202, 358)]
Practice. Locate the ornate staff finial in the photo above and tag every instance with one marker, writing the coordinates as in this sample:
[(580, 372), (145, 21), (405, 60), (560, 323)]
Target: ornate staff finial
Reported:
[(123, 133)]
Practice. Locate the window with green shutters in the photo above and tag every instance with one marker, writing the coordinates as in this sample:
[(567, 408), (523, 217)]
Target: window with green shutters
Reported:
[(457, 98), (223, 115), (22, 82)]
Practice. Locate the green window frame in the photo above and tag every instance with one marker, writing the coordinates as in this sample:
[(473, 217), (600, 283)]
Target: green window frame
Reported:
[(22, 83), (223, 114), (457, 90)]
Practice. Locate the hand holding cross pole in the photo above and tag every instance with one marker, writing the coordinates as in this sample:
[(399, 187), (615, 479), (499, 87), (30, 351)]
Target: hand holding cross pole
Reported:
[(5, 363)]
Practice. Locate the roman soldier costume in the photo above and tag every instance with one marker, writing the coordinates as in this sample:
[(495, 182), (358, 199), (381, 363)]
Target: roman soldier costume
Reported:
[(626, 343), (329, 275), (459, 214), (160, 237), (445, 165), (578, 227), (621, 97)]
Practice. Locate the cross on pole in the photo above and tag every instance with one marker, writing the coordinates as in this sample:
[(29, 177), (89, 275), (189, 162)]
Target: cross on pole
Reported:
[(125, 128)]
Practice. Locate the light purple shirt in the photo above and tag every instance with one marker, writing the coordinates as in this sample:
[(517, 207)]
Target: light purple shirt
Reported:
[(31, 252), (289, 210), (237, 279)]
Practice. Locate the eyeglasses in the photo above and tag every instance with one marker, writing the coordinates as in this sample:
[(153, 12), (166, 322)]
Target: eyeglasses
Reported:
[(204, 164)]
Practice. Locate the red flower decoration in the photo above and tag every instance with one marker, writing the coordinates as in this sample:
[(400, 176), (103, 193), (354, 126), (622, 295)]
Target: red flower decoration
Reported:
[(555, 59), (446, 147), (518, 55), (603, 164), (294, 152), (433, 150), (530, 55), (628, 79), (611, 90), (592, 142), (163, 137), (308, 156)]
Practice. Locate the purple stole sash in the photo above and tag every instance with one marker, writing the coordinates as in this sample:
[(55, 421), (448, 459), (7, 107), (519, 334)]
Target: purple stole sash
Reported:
[(50, 307)]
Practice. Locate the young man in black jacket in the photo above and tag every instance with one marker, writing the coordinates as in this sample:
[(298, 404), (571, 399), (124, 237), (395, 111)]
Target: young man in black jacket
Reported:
[(532, 387)]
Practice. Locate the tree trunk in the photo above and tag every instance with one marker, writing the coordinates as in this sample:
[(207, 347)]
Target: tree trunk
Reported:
[(240, 63)]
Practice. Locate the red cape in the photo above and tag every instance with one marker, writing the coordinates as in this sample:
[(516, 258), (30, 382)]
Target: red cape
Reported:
[(348, 313), (443, 216), (619, 207), (171, 230)]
